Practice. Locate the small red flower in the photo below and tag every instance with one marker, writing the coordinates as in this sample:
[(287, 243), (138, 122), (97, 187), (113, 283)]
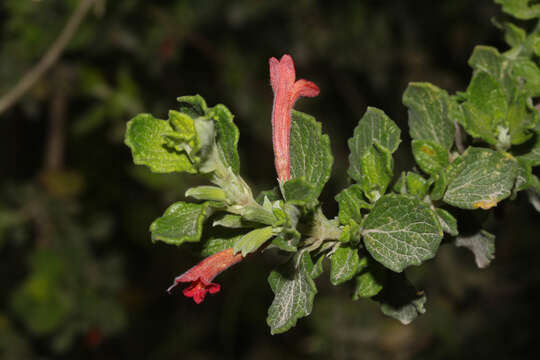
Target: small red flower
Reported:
[(201, 275), (286, 92)]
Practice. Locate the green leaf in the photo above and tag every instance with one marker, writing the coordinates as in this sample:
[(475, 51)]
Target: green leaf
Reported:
[(417, 185), (514, 35), (377, 171), (480, 178), (520, 8), (400, 300), (482, 245), (344, 265), (528, 74), (439, 186), (251, 241), (287, 240), (294, 291), (144, 136), (369, 282), (206, 192), (430, 156), (299, 192), (181, 222), (401, 231), (374, 127), (184, 137), (488, 59), (533, 156), (194, 106), (214, 245), (447, 221), (522, 117), (351, 201), (311, 156), (232, 222), (227, 136), (484, 113), (428, 114)]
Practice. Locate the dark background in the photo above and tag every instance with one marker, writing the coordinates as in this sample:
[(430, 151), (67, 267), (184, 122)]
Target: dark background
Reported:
[(79, 276)]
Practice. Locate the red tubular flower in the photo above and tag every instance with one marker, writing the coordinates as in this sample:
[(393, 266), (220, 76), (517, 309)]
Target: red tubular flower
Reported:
[(201, 275), (286, 92)]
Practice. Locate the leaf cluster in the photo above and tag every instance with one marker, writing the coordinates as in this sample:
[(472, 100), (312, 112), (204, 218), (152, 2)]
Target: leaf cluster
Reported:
[(472, 149)]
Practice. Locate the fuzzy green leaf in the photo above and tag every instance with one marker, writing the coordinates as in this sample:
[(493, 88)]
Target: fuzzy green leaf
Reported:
[(194, 106), (447, 221), (298, 191), (214, 245), (417, 185), (486, 109), (369, 282), (533, 156), (251, 241), (294, 291), (181, 222), (430, 156), (377, 171), (374, 127), (401, 231), (482, 245), (144, 136), (480, 178), (227, 136), (344, 265), (428, 114), (311, 156), (520, 9), (351, 201), (400, 300)]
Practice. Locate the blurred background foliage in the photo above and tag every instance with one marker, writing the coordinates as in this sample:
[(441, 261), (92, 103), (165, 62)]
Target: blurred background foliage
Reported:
[(79, 276)]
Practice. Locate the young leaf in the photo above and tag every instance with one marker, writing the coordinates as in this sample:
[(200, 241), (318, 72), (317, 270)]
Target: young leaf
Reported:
[(252, 240), (298, 191), (377, 171), (214, 245), (482, 245), (488, 59), (417, 185), (194, 106), (310, 152), (227, 136), (401, 231), (480, 178), (428, 114), (369, 282), (400, 300), (294, 291), (447, 221), (144, 136), (533, 156), (375, 126), (520, 8), (344, 264), (484, 112), (351, 201), (430, 156), (181, 222)]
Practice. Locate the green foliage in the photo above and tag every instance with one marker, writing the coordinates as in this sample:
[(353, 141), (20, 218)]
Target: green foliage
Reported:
[(480, 178), (401, 231), (181, 222), (311, 157), (428, 114), (294, 291), (383, 227), (375, 139)]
